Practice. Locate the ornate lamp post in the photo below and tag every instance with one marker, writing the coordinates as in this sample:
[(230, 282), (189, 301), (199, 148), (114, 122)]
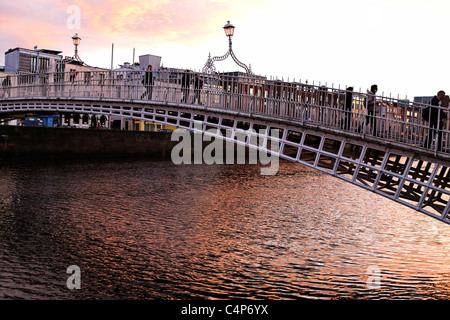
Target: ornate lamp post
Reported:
[(209, 65), (76, 42)]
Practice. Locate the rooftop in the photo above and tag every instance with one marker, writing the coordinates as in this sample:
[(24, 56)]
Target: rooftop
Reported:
[(47, 51)]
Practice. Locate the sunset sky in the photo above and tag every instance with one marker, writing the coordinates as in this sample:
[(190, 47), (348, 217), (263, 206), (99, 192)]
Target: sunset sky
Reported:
[(401, 45)]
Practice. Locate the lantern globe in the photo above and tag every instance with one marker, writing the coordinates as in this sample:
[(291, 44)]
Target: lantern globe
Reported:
[(229, 29), (76, 39)]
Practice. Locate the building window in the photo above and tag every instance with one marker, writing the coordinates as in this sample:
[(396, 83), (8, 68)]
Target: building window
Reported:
[(59, 74), (44, 63), (102, 79)]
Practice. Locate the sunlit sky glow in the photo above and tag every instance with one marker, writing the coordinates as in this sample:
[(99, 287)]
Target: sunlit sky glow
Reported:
[(398, 44)]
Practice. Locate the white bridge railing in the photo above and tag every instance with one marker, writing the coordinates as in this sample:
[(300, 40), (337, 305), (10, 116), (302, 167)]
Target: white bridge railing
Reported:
[(335, 108)]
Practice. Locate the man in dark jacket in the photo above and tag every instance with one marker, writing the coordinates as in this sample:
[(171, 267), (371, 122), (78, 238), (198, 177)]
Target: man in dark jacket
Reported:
[(348, 108), (435, 118), (148, 82), (185, 85)]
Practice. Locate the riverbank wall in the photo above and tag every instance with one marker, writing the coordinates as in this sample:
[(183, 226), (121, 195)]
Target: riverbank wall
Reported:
[(44, 142)]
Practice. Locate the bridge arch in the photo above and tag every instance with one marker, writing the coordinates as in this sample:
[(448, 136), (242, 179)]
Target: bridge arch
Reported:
[(394, 171), (307, 117)]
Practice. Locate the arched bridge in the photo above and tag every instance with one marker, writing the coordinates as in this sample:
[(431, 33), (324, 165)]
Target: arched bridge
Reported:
[(389, 149)]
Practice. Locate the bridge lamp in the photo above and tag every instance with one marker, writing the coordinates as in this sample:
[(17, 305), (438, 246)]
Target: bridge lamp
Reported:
[(76, 42), (229, 32), (229, 29)]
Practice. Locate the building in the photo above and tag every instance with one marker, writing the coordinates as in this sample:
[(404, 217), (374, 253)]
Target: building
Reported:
[(424, 100), (21, 60), (27, 63), (35, 65), (148, 59)]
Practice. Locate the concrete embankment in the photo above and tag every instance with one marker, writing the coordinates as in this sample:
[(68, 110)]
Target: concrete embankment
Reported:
[(41, 142)]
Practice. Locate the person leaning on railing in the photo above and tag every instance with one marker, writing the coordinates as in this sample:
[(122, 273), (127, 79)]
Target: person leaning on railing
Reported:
[(371, 104), (435, 116)]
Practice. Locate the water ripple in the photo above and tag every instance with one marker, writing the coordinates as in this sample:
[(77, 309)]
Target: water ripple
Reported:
[(153, 230)]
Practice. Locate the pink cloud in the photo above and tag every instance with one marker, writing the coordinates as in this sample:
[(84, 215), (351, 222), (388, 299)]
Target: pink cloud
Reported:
[(158, 19), (126, 23)]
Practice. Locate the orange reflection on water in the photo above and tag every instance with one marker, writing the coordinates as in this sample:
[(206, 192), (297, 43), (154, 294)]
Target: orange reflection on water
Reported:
[(156, 230)]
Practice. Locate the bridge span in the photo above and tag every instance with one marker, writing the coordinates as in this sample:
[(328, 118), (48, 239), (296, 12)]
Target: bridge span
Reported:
[(390, 149)]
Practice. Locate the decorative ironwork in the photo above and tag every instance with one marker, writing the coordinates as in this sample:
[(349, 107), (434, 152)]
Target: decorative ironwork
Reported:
[(209, 65)]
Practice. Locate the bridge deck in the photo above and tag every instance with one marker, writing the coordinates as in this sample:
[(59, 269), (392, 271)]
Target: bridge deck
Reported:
[(392, 151)]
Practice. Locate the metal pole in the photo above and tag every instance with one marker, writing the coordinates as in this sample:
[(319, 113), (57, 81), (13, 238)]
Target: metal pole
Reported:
[(112, 56)]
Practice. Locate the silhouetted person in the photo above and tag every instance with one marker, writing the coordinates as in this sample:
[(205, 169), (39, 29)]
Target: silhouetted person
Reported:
[(185, 84), (435, 121), (371, 109), (148, 82), (348, 107)]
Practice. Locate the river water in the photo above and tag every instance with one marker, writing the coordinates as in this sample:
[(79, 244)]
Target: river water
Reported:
[(141, 229)]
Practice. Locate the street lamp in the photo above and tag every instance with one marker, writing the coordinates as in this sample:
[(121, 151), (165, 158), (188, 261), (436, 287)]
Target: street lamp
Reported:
[(76, 42), (229, 29), (229, 32), (209, 65)]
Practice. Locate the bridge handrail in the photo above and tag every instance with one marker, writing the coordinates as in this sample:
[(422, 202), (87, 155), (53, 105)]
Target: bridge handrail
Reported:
[(393, 119)]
